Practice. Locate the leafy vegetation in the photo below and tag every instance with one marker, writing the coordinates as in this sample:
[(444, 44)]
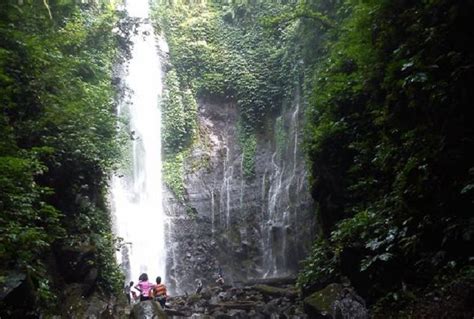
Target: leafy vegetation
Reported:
[(281, 135), (249, 147), (179, 116), (58, 141), (173, 174), (387, 138), (224, 52), (179, 113)]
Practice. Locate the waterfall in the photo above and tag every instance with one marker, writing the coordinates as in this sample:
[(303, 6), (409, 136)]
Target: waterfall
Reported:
[(279, 215), (137, 195), (226, 186), (273, 218), (294, 126), (213, 214)]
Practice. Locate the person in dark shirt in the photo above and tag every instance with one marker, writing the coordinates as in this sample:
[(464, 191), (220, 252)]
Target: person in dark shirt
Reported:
[(127, 291)]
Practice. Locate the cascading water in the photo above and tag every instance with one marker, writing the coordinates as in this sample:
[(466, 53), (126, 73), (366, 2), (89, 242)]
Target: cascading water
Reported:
[(137, 196), (226, 187), (244, 228), (277, 221), (273, 219)]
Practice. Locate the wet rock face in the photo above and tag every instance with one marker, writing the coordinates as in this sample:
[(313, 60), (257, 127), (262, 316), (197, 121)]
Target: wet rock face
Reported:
[(244, 227)]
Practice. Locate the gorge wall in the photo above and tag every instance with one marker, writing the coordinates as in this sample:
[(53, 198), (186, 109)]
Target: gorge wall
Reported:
[(246, 228), (237, 198)]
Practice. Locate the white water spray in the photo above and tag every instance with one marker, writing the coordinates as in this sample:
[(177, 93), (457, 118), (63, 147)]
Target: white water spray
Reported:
[(137, 198), (225, 192)]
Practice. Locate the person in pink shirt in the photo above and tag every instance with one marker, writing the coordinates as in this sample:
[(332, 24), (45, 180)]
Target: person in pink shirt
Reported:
[(145, 287)]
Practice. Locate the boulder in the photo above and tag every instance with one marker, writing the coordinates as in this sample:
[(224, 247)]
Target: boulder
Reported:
[(337, 302), (243, 305), (96, 305), (181, 312), (238, 314), (17, 298), (148, 309), (270, 308), (276, 291), (12, 280), (349, 306)]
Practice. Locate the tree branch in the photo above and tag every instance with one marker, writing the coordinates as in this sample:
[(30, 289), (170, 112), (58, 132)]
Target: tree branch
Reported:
[(301, 11), (45, 2)]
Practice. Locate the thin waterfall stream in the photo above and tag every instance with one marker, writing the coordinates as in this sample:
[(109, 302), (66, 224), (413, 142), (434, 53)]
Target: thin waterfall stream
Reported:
[(137, 195)]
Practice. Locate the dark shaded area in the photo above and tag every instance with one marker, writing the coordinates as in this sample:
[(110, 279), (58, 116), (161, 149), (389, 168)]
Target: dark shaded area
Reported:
[(389, 141)]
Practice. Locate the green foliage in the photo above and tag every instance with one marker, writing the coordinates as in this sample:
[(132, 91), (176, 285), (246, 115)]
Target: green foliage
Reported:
[(28, 224), (302, 10), (320, 263), (173, 174), (58, 129), (45, 295), (387, 140), (179, 111), (223, 51), (281, 136), (249, 148), (379, 235), (110, 274)]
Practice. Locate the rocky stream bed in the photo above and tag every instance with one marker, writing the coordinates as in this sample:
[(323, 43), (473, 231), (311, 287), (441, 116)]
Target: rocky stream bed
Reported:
[(263, 299)]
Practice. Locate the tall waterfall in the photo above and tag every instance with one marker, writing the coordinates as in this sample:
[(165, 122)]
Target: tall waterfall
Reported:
[(137, 195)]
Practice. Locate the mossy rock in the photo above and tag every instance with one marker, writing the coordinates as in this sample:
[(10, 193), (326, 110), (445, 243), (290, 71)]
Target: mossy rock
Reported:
[(148, 309), (321, 302), (276, 291), (194, 298)]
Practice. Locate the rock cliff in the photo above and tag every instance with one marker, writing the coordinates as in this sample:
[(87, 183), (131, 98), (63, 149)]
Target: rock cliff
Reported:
[(244, 227)]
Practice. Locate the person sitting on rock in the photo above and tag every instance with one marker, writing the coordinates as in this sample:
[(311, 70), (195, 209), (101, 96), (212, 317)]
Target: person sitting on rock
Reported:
[(220, 280), (159, 292), (198, 286), (144, 287)]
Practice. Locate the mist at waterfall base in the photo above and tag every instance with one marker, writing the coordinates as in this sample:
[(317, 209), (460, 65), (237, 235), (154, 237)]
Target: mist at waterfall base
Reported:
[(137, 195)]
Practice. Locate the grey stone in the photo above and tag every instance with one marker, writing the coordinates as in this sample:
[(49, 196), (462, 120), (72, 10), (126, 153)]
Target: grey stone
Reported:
[(336, 301), (148, 310), (246, 227)]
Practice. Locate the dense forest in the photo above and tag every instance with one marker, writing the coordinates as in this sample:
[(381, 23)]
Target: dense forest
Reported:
[(58, 145), (388, 139), (387, 134)]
